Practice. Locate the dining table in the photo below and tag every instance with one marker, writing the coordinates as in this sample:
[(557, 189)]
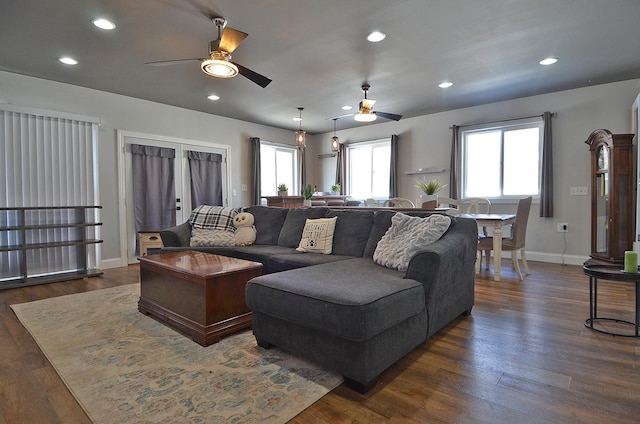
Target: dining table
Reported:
[(496, 221)]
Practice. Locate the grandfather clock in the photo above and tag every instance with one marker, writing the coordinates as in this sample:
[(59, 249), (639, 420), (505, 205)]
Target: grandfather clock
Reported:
[(612, 196)]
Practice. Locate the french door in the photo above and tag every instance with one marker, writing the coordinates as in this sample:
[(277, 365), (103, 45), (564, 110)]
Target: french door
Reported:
[(175, 182)]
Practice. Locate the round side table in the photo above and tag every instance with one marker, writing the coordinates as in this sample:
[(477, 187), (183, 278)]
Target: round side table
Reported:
[(611, 273)]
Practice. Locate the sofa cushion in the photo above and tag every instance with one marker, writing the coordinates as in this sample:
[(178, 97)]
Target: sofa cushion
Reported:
[(268, 222), (352, 231), (291, 231), (406, 236), (211, 237), (317, 235), (381, 223), (356, 299), (292, 260), (213, 217)]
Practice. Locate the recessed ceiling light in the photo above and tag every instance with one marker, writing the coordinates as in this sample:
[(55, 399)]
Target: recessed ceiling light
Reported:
[(213, 97), (549, 61), (68, 60), (347, 107), (445, 84), (104, 23), (376, 36)]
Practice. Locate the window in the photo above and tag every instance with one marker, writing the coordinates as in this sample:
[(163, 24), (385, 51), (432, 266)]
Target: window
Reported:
[(502, 161), (368, 169), (278, 166)]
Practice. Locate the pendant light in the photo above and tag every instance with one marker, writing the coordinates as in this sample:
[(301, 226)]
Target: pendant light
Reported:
[(335, 142), (300, 134)]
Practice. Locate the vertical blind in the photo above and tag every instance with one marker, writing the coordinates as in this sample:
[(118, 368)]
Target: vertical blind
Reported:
[(47, 159)]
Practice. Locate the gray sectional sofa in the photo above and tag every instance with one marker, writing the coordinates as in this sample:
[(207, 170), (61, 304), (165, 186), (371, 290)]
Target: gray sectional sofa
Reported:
[(342, 310)]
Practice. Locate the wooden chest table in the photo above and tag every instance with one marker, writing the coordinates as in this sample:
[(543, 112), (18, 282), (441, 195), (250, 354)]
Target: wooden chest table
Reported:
[(197, 293)]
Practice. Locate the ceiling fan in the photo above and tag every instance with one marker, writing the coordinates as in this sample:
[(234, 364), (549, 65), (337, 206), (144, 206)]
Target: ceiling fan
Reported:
[(218, 64), (365, 112)]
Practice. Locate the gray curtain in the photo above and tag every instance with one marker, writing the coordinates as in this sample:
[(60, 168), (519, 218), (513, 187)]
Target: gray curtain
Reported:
[(341, 166), (546, 189), (302, 169), (255, 165), (456, 163), (154, 193), (206, 178), (393, 168)]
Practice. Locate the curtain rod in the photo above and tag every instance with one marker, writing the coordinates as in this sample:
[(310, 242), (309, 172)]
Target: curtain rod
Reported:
[(553, 114)]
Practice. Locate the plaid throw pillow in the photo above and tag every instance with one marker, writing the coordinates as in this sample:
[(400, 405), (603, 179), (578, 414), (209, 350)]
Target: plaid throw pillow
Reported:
[(213, 217)]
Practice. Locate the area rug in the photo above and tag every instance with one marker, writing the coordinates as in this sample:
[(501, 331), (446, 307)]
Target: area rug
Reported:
[(125, 367)]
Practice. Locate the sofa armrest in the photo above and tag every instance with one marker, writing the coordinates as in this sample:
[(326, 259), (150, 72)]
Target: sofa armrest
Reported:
[(446, 269), (178, 236)]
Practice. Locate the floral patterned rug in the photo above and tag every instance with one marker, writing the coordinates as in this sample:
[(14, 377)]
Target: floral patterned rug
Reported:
[(125, 367)]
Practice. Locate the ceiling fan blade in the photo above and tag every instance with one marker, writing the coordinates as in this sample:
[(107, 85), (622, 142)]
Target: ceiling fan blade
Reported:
[(231, 39), (173, 62), (261, 80), (389, 115), (340, 116)]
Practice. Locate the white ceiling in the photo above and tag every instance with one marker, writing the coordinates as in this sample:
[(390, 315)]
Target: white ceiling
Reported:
[(317, 56)]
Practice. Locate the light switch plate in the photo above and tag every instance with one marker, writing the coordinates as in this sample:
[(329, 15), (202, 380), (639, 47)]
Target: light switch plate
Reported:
[(579, 191)]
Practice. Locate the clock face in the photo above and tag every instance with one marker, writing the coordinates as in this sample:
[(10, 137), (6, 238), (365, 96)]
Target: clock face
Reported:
[(603, 158)]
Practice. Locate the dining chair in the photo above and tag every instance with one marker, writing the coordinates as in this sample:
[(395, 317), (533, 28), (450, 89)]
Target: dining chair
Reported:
[(371, 202), (399, 202), (514, 243), (453, 205), (476, 205)]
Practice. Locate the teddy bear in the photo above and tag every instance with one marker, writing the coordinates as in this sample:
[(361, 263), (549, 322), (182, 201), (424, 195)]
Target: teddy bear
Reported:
[(245, 230)]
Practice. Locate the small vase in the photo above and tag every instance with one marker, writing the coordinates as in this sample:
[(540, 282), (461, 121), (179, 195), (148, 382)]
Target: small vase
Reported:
[(427, 198), (306, 202), (283, 193)]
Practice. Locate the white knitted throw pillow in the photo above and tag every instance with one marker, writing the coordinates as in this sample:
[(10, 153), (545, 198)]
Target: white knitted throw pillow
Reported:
[(406, 236)]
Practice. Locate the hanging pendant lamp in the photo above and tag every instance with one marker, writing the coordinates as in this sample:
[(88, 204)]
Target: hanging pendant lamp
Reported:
[(335, 142), (300, 134)]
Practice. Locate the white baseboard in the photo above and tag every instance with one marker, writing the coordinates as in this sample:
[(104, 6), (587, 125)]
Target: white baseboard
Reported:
[(111, 263), (553, 258)]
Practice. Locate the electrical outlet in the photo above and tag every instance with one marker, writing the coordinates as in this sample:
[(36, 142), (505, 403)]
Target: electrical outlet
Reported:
[(244, 187), (563, 227), (579, 191)]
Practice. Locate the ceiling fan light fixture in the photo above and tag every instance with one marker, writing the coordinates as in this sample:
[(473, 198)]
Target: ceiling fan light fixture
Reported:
[(365, 117), (218, 65)]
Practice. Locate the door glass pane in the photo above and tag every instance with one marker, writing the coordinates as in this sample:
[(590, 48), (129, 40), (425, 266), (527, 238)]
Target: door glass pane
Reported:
[(602, 208)]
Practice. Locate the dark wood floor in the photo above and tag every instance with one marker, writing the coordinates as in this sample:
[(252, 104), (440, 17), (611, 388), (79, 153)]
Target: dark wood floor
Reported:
[(523, 356)]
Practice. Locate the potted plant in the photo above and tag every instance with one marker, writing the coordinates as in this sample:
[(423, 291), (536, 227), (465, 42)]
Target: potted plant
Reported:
[(283, 190), (307, 194), (335, 189), (430, 189)]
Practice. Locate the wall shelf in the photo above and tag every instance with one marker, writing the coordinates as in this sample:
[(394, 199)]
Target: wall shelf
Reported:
[(25, 230), (327, 155), (425, 171)]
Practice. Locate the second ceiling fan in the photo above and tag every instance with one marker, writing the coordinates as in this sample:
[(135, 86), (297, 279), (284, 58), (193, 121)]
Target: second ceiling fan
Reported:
[(365, 112)]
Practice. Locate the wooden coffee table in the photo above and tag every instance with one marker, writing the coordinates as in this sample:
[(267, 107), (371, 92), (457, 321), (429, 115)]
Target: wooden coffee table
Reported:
[(197, 293)]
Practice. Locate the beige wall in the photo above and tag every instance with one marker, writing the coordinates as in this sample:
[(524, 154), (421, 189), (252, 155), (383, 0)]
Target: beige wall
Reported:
[(424, 142), (129, 114)]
